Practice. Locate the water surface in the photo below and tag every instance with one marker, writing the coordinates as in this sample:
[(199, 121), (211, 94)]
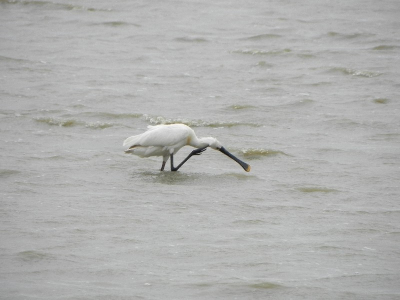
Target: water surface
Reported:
[(306, 93)]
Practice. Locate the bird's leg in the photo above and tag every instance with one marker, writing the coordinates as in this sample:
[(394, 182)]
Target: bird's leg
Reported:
[(163, 165), (194, 152)]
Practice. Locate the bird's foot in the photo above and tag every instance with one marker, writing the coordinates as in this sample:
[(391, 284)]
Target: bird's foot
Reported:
[(199, 151)]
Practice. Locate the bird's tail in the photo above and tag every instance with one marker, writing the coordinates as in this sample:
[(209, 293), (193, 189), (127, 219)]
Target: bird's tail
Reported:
[(134, 140), (131, 141)]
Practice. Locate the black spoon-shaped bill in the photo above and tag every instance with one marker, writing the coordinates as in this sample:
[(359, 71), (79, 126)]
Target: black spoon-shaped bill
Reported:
[(245, 166)]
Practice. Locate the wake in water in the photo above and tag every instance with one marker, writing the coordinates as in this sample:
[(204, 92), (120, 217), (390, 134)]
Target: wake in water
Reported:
[(252, 153)]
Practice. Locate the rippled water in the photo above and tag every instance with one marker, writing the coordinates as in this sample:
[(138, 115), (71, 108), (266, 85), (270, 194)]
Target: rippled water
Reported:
[(306, 93)]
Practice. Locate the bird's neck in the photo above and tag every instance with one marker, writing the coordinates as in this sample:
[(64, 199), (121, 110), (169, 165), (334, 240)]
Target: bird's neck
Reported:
[(200, 142)]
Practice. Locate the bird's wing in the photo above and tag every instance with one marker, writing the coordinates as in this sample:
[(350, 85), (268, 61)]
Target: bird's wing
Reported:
[(160, 135), (137, 140), (164, 135)]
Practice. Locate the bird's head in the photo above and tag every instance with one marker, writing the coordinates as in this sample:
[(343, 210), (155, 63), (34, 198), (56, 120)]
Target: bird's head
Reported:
[(214, 143)]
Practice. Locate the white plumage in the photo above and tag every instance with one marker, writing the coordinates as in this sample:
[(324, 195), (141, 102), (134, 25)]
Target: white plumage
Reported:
[(167, 140)]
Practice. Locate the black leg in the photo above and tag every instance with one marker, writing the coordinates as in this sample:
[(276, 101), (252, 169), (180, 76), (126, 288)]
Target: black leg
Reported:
[(194, 152), (163, 166)]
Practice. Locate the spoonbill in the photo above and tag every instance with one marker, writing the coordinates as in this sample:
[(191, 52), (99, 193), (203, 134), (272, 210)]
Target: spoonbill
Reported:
[(167, 140)]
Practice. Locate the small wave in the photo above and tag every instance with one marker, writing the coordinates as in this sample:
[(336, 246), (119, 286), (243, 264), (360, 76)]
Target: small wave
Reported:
[(197, 123), (306, 55), (98, 125), (118, 24), (321, 83), (198, 179), (241, 107), (238, 176), (167, 178), (386, 137), (116, 116), (11, 59), (51, 157), (353, 72), (58, 122), (32, 255), (256, 153), (265, 285), (381, 100), (4, 173), (303, 103), (265, 36), (52, 5), (262, 52), (348, 124), (316, 190), (333, 33), (115, 23), (328, 247), (72, 123), (264, 64), (347, 36), (385, 47), (191, 40), (249, 222)]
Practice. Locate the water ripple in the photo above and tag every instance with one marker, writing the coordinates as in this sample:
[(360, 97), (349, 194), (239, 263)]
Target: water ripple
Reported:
[(265, 36), (316, 190), (262, 52), (72, 123), (198, 123), (257, 153), (353, 72), (53, 5)]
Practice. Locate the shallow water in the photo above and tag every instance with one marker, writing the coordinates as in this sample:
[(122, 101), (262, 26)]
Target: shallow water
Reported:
[(306, 94)]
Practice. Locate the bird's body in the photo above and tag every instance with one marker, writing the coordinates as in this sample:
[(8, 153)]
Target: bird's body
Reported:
[(164, 140), (167, 140)]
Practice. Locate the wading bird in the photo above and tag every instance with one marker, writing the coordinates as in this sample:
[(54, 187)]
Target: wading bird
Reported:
[(167, 140)]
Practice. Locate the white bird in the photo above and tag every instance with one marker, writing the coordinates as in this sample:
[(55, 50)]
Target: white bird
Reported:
[(167, 140)]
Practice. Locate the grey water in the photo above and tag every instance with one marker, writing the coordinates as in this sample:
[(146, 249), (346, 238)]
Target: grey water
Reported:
[(305, 92)]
